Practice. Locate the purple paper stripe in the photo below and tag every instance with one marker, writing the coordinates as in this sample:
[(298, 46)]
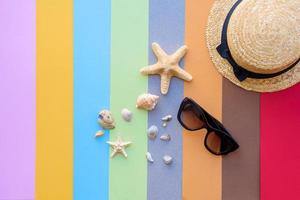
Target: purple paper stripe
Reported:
[(166, 27), (17, 99)]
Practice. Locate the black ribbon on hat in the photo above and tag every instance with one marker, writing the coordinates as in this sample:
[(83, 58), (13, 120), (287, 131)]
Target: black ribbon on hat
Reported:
[(241, 73)]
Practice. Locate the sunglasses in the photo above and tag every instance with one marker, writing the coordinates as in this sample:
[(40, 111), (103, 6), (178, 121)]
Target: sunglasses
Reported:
[(193, 117)]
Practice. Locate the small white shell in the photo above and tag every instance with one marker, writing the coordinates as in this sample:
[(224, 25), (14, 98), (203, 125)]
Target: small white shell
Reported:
[(147, 101), (165, 137), (106, 119), (167, 159), (152, 132), (126, 114), (164, 124), (149, 157), (167, 118)]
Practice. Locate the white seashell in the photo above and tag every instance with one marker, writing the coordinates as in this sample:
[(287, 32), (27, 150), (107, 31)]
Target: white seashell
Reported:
[(106, 119), (165, 137), (152, 132), (147, 101), (126, 114), (167, 159), (149, 157), (167, 118), (164, 124), (99, 134)]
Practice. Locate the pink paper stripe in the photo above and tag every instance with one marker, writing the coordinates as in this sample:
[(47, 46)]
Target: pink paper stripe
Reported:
[(280, 144), (17, 99)]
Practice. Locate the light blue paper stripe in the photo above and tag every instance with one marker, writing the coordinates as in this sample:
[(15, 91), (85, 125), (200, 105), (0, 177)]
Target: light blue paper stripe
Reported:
[(166, 28), (91, 94)]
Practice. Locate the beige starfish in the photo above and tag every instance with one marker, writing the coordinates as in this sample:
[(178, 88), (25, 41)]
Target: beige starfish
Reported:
[(167, 66), (118, 146)]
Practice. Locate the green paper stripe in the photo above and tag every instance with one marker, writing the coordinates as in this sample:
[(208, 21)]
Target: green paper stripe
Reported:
[(129, 52)]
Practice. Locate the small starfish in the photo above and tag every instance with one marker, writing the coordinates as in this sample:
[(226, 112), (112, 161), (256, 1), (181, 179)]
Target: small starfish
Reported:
[(118, 146), (167, 66)]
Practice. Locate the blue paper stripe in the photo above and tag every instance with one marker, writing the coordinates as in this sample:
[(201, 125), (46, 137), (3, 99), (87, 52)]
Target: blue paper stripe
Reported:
[(91, 94), (166, 27)]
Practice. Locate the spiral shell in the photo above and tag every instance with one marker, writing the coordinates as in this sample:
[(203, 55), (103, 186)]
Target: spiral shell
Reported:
[(147, 101)]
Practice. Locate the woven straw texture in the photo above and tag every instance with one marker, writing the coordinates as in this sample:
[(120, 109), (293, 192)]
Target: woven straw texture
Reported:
[(263, 37)]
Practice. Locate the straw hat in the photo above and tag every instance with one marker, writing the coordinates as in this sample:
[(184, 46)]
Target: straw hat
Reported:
[(256, 43)]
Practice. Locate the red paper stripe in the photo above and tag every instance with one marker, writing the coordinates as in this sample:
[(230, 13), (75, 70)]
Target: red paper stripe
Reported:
[(280, 145)]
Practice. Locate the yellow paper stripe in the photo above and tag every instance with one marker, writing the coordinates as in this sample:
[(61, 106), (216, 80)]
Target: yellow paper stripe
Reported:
[(54, 98)]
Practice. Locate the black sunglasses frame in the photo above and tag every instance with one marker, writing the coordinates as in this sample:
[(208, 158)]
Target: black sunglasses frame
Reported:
[(211, 124)]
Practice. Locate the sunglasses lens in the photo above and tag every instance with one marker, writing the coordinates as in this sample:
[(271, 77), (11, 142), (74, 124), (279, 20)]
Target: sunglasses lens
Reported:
[(190, 118), (216, 143), (213, 142)]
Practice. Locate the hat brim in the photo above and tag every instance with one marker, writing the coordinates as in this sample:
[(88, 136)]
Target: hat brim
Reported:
[(216, 19)]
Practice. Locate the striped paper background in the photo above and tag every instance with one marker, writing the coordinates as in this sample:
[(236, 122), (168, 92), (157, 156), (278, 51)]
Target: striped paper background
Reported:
[(61, 62)]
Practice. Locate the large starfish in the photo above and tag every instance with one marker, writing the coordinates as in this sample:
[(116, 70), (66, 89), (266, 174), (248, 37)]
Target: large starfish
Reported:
[(118, 146), (167, 66)]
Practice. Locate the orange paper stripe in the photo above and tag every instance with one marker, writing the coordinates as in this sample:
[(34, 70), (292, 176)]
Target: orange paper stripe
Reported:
[(201, 169)]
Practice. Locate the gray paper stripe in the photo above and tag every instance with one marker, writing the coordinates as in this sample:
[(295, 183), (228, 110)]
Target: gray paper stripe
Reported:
[(240, 169)]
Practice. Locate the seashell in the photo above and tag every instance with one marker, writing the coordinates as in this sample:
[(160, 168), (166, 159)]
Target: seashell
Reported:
[(126, 114), (165, 137), (106, 119), (167, 118), (164, 124), (167, 159), (147, 101), (152, 132), (99, 134), (149, 157)]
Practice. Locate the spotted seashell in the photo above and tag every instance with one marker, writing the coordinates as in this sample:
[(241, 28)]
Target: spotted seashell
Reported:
[(167, 159), (149, 157), (152, 132), (165, 137), (126, 114), (106, 119), (147, 101)]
